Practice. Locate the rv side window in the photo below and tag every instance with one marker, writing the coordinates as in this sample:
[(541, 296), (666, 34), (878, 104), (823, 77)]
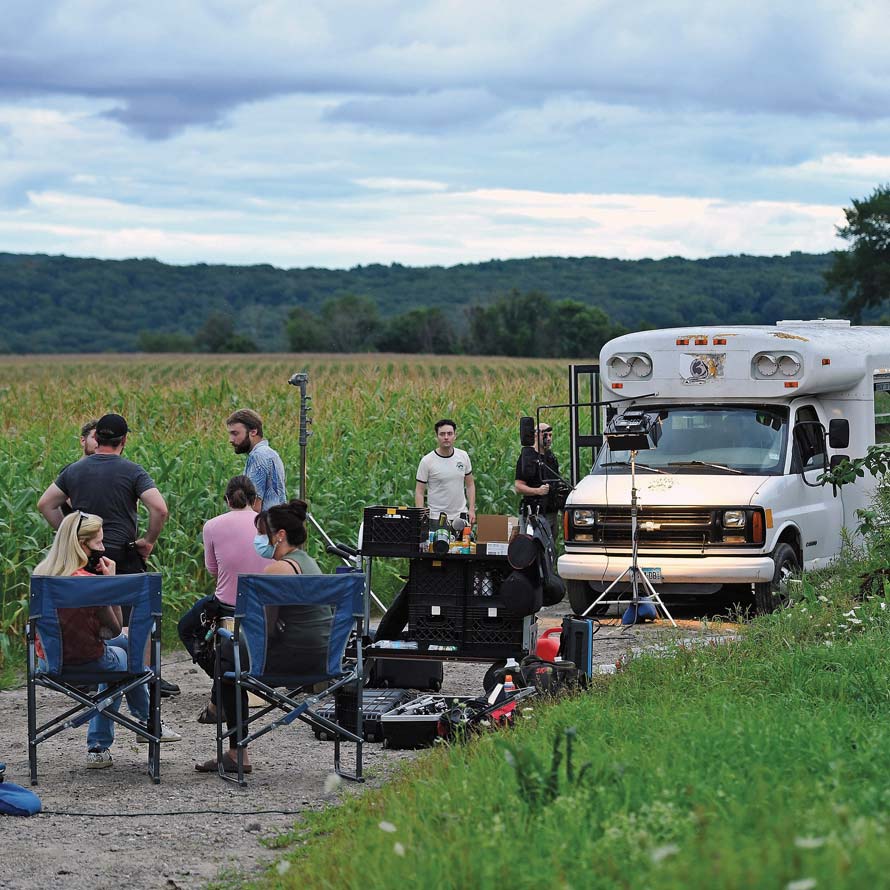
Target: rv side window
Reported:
[(809, 451), (882, 408)]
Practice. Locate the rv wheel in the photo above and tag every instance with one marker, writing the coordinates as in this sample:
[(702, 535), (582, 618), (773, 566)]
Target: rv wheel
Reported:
[(581, 596), (772, 596)]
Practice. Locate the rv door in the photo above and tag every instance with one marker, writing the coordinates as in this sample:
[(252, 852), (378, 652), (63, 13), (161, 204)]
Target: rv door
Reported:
[(819, 516)]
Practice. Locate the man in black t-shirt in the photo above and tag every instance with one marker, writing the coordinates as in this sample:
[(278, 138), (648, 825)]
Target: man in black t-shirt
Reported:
[(535, 476), (109, 485)]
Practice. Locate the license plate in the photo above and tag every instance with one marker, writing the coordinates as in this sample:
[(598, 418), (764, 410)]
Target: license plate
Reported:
[(654, 575)]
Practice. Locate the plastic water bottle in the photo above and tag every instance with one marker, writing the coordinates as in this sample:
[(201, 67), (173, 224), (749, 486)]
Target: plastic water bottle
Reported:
[(505, 714)]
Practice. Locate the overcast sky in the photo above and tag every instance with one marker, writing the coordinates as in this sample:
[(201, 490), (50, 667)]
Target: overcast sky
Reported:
[(340, 133)]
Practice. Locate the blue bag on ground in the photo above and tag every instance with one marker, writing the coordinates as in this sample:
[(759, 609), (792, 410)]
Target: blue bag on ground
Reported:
[(15, 800)]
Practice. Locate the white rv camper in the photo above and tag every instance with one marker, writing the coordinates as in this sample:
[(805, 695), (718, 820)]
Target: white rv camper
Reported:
[(744, 421)]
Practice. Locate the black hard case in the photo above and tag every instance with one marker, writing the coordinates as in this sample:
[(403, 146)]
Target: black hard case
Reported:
[(576, 643), (406, 673), (375, 703)]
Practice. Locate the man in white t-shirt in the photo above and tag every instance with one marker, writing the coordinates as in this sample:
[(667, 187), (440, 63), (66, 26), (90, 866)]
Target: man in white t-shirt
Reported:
[(445, 477)]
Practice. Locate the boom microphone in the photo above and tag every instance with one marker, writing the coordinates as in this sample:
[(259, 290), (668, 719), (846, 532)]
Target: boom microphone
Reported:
[(527, 431)]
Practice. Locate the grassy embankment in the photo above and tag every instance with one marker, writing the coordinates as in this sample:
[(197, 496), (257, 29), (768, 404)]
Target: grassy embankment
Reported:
[(373, 419), (761, 763)]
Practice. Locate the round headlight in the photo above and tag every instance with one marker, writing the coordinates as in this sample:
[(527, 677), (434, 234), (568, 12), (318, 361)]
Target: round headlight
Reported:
[(619, 367), (766, 366), (789, 365), (641, 366)]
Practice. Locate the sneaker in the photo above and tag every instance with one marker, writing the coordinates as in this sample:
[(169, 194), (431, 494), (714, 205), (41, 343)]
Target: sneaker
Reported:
[(99, 759), (167, 734), (168, 689)]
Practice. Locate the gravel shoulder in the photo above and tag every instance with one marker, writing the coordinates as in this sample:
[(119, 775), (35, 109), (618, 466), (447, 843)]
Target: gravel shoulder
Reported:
[(187, 849)]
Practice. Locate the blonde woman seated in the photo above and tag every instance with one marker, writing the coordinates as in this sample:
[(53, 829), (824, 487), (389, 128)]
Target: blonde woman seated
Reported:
[(91, 636)]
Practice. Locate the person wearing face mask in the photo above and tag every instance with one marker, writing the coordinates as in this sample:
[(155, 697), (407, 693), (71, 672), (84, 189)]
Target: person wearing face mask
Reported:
[(298, 634), (229, 550), (91, 636)]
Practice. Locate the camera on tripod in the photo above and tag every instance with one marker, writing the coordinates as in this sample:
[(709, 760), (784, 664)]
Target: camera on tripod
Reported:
[(635, 430)]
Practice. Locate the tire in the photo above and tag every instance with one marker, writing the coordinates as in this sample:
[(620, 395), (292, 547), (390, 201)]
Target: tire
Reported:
[(581, 596), (774, 595)]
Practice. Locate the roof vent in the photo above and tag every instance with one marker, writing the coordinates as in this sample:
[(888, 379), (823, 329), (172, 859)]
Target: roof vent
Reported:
[(815, 322)]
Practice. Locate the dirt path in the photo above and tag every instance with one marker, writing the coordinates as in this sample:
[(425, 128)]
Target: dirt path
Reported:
[(186, 850)]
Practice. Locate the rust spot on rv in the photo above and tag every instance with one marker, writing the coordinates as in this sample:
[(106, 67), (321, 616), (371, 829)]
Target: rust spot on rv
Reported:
[(784, 335)]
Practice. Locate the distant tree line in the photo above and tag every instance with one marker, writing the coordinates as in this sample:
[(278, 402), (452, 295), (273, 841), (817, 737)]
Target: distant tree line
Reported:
[(515, 324), (64, 304)]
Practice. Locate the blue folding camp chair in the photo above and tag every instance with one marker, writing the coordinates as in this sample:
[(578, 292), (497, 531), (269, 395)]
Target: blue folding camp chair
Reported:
[(294, 630), (48, 595)]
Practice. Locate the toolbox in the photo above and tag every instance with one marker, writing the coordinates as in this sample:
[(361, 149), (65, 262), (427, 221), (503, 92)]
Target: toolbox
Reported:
[(375, 703)]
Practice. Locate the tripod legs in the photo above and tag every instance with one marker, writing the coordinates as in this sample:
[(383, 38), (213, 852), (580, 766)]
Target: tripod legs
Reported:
[(636, 576)]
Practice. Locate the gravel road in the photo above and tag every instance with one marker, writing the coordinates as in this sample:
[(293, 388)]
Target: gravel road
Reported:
[(184, 848)]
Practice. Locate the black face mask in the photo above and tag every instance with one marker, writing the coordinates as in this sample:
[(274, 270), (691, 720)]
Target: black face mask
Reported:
[(93, 560)]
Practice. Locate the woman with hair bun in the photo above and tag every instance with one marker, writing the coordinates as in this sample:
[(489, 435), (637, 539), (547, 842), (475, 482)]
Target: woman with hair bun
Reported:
[(298, 635)]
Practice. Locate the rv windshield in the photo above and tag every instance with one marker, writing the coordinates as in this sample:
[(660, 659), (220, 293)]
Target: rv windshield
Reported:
[(709, 440)]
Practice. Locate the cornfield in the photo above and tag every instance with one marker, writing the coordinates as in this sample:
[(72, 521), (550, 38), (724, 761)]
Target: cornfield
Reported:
[(372, 418)]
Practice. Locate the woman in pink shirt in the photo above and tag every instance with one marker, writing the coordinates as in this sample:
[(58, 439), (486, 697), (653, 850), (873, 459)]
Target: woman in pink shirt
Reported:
[(228, 551)]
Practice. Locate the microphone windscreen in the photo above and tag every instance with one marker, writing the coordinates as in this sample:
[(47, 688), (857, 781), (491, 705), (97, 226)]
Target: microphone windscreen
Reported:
[(526, 431)]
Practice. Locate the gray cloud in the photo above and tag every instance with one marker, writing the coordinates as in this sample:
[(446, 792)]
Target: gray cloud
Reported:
[(430, 112), (440, 64)]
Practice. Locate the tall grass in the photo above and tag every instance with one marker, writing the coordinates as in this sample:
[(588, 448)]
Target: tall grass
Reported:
[(372, 420), (756, 764)]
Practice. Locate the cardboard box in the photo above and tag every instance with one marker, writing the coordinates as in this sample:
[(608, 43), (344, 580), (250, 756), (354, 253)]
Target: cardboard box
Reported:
[(490, 527)]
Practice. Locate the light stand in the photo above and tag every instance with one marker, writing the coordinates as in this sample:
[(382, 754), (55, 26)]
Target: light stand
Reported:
[(637, 431), (301, 379)]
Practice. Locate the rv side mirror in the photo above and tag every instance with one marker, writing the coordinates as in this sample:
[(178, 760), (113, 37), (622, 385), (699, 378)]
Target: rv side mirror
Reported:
[(839, 433), (837, 460)]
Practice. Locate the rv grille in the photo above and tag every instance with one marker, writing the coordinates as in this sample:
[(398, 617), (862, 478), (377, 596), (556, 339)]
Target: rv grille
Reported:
[(678, 526)]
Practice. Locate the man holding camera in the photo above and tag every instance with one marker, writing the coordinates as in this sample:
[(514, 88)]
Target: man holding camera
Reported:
[(536, 478)]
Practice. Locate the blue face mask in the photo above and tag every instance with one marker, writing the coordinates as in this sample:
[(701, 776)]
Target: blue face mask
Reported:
[(263, 547)]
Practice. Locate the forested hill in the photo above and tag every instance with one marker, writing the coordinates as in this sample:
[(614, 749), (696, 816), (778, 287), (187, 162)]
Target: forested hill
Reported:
[(63, 304)]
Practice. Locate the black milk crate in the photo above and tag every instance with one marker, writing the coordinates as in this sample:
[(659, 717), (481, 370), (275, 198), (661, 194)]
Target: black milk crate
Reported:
[(431, 621), (436, 579), (486, 580), (497, 632), (394, 531), (375, 703)]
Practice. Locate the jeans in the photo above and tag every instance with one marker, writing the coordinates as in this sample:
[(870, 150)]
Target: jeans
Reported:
[(101, 731)]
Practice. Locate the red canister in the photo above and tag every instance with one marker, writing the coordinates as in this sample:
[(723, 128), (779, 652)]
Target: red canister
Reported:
[(548, 644)]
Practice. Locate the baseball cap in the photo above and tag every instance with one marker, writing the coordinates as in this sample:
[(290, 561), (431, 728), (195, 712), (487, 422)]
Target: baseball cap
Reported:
[(111, 426)]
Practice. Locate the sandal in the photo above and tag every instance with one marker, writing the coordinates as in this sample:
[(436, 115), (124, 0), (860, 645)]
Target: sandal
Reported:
[(229, 765), (208, 714)]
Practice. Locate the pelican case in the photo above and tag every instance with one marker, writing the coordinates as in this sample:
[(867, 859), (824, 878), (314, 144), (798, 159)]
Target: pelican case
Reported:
[(375, 703), (415, 724)]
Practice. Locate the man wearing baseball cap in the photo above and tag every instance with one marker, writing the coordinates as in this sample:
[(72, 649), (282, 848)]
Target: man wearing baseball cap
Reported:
[(109, 485)]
